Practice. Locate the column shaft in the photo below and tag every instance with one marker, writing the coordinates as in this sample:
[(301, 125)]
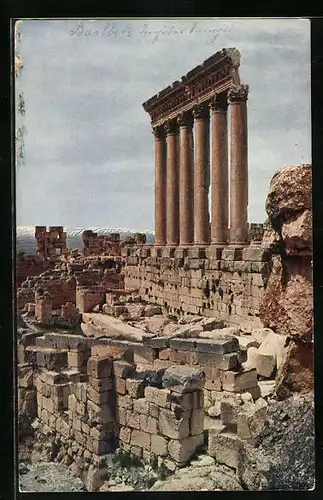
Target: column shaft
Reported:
[(172, 188), (201, 176), (160, 186), (220, 199), (239, 166), (186, 181)]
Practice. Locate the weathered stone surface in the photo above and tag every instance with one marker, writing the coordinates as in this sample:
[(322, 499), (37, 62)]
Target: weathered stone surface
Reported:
[(290, 192), (239, 381), (212, 361), (197, 422), (99, 367), (252, 353), (172, 427), (183, 379), (181, 451), (188, 400), (296, 373), (159, 397), (123, 369), (140, 439), (135, 388), (225, 448), (141, 406), (159, 445), (297, 232), (219, 343)]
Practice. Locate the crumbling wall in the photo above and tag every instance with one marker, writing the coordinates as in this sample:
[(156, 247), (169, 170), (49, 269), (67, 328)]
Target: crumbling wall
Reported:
[(96, 245), (51, 242), (227, 283)]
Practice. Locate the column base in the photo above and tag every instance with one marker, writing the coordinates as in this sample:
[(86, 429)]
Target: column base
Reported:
[(219, 244), (202, 245)]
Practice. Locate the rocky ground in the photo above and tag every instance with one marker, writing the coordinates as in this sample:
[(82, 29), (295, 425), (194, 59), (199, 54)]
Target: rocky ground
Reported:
[(47, 476)]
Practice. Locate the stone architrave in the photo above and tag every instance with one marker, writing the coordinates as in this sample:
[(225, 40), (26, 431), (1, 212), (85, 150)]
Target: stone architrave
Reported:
[(238, 96), (186, 180), (201, 175), (220, 201), (160, 186)]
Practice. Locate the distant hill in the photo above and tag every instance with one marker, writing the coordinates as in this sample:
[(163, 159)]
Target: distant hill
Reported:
[(26, 236)]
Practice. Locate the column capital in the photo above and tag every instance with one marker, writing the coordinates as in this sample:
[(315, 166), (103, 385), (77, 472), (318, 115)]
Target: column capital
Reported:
[(219, 102), (170, 126), (201, 111), (158, 132), (185, 119), (238, 93)]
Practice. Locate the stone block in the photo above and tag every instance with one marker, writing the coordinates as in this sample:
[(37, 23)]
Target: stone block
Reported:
[(123, 369), (181, 451), (121, 416), (135, 388), (159, 445), (99, 367), (101, 384), (197, 422), (148, 424), (125, 402), (265, 364), (100, 398), (229, 411), (140, 439), (214, 384), (99, 414), (159, 397), (239, 381), (252, 353), (125, 434), (158, 342), (273, 344), (61, 392), (120, 385), (136, 450), (141, 406), (225, 448), (80, 391), (229, 361), (183, 344), (219, 344), (117, 353), (255, 254), (183, 379), (188, 400), (154, 410), (173, 427), (133, 419)]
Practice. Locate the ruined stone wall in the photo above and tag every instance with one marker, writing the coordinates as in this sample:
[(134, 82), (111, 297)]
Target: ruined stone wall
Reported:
[(226, 283), (61, 288), (30, 265), (51, 242), (96, 245)]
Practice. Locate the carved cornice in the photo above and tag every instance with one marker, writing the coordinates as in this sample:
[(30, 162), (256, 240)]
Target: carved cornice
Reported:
[(159, 132), (185, 119), (219, 102), (201, 111), (238, 93), (171, 126), (217, 74)]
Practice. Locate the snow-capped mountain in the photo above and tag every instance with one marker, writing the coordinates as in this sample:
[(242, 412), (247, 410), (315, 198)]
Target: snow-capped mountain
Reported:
[(26, 242)]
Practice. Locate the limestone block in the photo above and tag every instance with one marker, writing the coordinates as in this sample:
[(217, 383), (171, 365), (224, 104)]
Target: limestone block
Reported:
[(273, 344), (252, 353), (251, 419), (133, 419), (165, 354), (141, 406), (121, 416), (46, 389), (183, 379), (25, 376), (188, 400), (125, 434), (51, 377), (170, 426), (100, 398), (229, 410), (181, 451), (219, 344), (85, 428), (159, 397), (215, 410), (154, 410), (265, 364), (239, 381), (267, 387), (125, 402), (80, 390), (123, 369), (99, 367), (100, 414), (140, 439), (246, 341), (101, 384), (260, 333), (120, 385), (159, 445), (197, 422), (135, 388), (225, 448), (148, 424), (214, 384), (211, 361)]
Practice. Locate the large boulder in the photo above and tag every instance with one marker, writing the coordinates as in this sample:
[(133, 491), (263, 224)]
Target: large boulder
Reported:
[(287, 304)]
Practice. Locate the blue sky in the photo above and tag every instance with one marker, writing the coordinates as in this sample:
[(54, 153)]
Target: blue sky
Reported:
[(89, 149)]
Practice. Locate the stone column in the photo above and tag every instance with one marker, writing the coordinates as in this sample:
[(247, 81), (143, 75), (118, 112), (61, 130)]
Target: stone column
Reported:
[(186, 181), (238, 96), (160, 186), (172, 188), (201, 175), (220, 199)]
